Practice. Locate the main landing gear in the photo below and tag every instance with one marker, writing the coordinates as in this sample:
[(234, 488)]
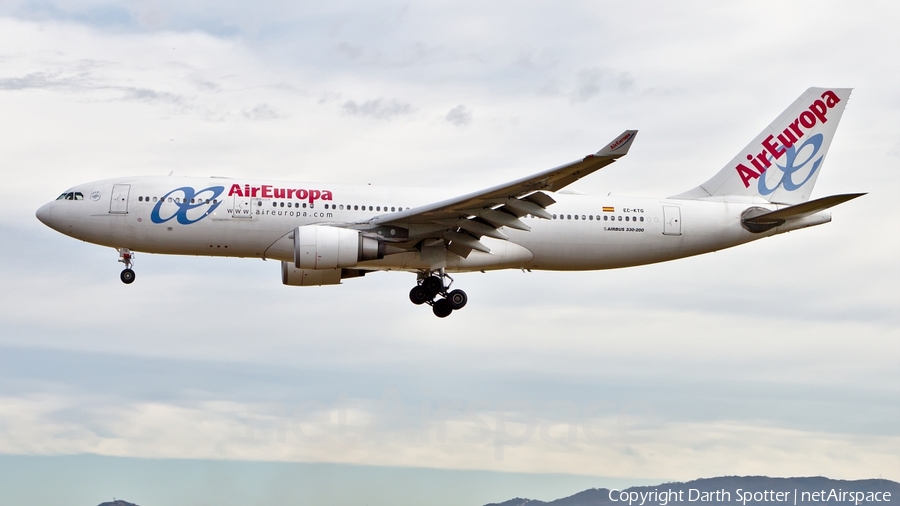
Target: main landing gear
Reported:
[(126, 256), (430, 285)]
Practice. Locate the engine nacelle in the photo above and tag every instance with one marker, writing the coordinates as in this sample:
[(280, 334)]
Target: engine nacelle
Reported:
[(293, 276), (323, 247)]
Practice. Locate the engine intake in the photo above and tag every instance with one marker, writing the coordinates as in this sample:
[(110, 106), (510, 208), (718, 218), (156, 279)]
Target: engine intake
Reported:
[(325, 247)]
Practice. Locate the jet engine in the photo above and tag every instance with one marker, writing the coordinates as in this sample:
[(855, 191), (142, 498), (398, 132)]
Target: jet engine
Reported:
[(293, 276), (324, 247)]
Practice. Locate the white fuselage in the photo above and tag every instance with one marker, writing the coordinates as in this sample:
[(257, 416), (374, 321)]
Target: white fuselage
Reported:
[(587, 233)]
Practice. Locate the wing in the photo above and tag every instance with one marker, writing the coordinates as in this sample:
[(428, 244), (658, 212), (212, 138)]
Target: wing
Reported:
[(460, 222)]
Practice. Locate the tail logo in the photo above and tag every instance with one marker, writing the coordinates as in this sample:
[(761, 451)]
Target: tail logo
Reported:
[(774, 148), (792, 166)]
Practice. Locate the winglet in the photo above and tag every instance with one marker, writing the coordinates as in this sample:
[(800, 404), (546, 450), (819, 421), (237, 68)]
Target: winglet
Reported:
[(620, 146)]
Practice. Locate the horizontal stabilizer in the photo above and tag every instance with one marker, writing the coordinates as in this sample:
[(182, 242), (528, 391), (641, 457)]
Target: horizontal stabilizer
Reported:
[(806, 208), (766, 220)]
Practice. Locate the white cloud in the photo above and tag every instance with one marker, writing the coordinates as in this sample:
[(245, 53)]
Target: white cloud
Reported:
[(377, 108), (459, 116), (627, 445)]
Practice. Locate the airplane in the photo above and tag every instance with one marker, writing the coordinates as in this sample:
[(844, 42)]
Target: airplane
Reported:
[(325, 233)]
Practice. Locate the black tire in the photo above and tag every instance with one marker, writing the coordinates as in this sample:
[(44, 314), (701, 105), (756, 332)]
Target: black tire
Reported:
[(441, 308), (127, 276), (418, 295), (457, 299), (433, 285)]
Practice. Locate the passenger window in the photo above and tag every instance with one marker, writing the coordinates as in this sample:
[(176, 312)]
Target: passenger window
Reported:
[(274, 204), (620, 218), (304, 205), (370, 208), (356, 208), (326, 206), (576, 216), (568, 216), (626, 218), (140, 199), (154, 199), (392, 209), (554, 216)]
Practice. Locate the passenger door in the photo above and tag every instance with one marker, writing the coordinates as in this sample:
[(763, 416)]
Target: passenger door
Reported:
[(118, 200), (671, 220)]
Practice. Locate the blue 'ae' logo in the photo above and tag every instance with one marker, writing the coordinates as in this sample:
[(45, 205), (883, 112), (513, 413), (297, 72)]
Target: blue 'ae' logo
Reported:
[(792, 166), (192, 200)]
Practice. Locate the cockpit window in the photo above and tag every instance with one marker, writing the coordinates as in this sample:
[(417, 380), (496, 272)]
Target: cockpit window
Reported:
[(71, 196)]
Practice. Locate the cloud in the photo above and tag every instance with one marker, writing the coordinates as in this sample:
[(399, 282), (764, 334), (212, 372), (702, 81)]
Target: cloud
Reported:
[(350, 51), (627, 445), (378, 108), (460, 116), (148, 95), (262, 112), (590, 82)]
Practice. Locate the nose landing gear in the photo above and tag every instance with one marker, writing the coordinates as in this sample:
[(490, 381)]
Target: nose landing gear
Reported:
[(430, 285), (126, 256)]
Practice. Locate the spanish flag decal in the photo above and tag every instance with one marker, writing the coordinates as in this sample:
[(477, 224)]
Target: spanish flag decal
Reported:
[(607, 209)]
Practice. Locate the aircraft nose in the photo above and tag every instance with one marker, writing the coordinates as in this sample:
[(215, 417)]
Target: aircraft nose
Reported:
[(45, 214)]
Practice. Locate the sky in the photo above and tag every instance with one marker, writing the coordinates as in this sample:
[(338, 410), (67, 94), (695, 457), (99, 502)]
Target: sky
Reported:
[(778, 357)]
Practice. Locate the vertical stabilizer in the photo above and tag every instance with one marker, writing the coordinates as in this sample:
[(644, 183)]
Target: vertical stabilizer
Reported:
[(783, 162)]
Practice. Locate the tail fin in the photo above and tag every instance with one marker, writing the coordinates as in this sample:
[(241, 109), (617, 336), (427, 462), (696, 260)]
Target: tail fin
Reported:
[(782, 163)]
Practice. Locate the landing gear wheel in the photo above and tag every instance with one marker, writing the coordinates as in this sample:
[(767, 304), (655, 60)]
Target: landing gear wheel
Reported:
[(441, 308), (457, 299), (419, 295), (127, 276), (432, 285)]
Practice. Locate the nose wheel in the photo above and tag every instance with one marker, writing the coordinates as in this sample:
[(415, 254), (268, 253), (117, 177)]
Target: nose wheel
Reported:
[(432, 289), (126, 256), (127, 276)]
